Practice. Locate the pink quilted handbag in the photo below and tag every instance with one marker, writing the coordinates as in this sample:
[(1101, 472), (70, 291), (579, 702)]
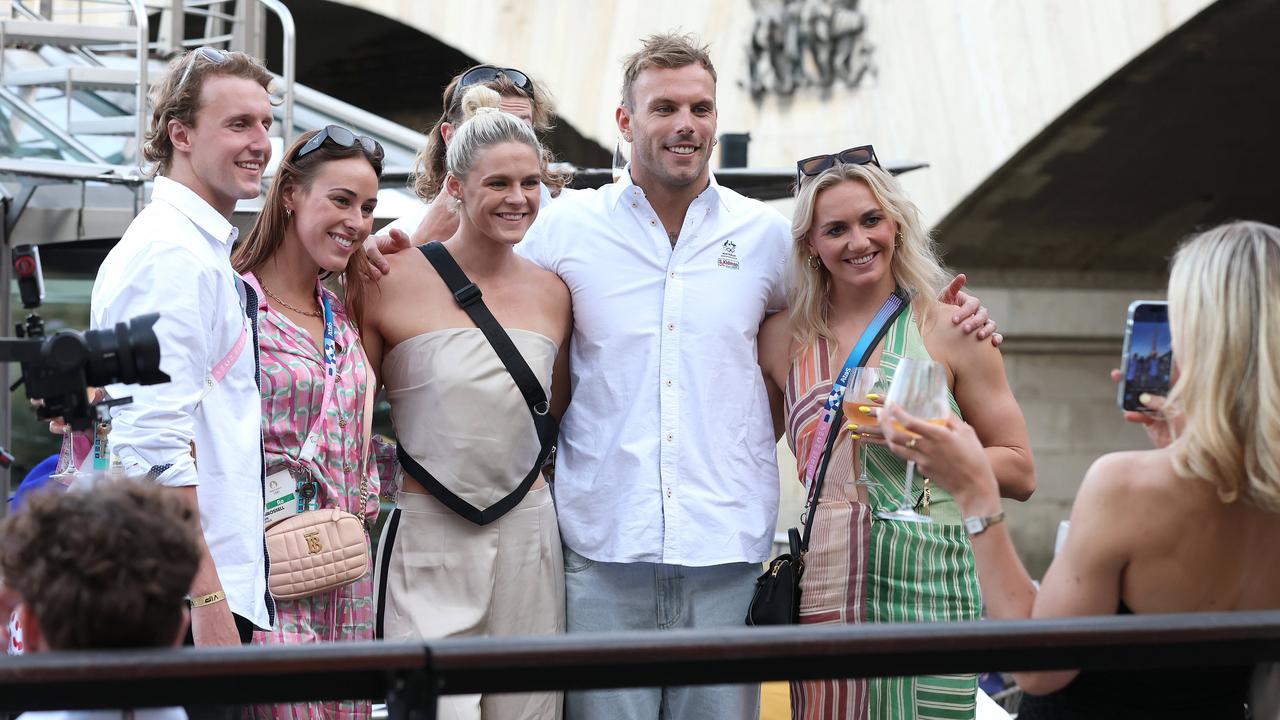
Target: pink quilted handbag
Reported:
[(316, 551)]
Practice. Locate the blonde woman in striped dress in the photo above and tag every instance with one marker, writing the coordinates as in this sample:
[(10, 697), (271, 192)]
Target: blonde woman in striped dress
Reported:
[(857, 238), (317, 214)]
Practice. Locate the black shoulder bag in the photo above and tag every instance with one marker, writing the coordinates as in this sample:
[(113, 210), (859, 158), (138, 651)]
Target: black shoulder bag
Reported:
[(469, 298), (776, 600)]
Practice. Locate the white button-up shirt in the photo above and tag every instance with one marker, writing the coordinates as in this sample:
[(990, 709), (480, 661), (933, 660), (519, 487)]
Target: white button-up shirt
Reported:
[(667, 451), (175, 259)]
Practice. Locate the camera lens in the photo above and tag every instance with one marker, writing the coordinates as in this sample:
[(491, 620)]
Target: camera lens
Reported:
[(128, 353)]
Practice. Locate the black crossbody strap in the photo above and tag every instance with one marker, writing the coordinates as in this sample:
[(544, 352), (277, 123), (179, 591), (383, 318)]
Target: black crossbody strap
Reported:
[(469, 298), (838, 420)]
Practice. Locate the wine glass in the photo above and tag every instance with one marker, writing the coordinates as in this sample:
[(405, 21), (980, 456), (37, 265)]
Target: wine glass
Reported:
[(65, 471), (619, 159), (866, 381), (920, 388)]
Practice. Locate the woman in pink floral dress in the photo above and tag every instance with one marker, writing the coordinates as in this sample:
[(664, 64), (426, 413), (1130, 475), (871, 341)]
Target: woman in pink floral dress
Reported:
[(316, 217)]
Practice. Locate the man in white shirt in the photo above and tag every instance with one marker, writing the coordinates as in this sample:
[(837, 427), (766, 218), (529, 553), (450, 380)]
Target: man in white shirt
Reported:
[(200, 434), (666, 475)]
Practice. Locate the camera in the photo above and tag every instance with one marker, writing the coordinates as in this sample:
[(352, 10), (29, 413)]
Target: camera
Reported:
[(59, 369)]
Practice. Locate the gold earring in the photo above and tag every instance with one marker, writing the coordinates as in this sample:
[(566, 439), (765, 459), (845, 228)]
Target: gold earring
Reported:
[(814, 262), (897, 240)]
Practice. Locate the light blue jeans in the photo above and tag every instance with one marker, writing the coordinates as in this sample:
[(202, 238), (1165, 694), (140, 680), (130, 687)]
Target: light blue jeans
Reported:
[(604, 597)]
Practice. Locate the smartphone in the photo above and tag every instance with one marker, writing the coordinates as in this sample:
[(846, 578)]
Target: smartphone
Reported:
[(1148, 353)]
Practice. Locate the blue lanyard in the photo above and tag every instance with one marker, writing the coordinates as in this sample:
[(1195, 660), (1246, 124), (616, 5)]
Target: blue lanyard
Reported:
[(848, 374), (312, 443)]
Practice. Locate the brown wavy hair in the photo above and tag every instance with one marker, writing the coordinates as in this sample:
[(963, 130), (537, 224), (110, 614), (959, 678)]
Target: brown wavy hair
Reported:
[(267, 233), (172, 102), (107, 567), (429, 166)]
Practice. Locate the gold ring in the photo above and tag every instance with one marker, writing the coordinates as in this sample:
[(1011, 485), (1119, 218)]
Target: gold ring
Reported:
[(911, 444)]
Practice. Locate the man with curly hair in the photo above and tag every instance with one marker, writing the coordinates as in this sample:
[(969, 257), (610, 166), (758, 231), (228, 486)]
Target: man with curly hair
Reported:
[(101, 568)]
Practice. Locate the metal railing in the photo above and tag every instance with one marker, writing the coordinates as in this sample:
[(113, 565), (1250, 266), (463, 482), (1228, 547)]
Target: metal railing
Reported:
[(412, 677)]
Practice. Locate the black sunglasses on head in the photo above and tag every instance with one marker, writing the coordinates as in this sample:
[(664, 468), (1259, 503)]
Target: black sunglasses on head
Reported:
[(810, 166), (488, 73), (341, 137)]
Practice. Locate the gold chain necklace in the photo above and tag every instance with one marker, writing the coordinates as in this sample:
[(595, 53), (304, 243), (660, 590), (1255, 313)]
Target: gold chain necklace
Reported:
[(300, 311)]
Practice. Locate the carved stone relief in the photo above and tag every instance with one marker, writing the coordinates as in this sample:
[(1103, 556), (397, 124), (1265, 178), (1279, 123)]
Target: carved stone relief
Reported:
[(799, 44)]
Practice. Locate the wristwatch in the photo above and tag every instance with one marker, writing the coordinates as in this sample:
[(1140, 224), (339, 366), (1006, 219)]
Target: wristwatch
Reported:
[(977, 524)]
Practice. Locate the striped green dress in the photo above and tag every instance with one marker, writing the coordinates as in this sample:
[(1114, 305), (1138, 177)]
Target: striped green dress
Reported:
[(917, 572)]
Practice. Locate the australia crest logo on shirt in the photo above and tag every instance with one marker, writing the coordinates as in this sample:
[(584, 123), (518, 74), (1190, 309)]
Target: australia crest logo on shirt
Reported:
[(728, 255)]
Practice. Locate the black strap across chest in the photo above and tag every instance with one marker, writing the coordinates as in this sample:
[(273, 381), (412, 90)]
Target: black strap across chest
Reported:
[(469, 299)]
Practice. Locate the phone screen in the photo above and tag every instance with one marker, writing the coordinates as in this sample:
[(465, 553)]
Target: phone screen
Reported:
[(1148, 353)]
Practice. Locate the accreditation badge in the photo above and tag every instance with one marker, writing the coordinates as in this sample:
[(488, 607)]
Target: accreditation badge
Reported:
[(281, 497)]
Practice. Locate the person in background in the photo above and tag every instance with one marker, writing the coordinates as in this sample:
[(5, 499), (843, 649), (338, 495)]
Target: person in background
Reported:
[(858, 239), (1177, 528), (436, 219), (316, 386), (106, 567)]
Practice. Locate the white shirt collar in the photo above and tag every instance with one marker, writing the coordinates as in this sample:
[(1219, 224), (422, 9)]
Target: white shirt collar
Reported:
[(627, 188), (186, 201)]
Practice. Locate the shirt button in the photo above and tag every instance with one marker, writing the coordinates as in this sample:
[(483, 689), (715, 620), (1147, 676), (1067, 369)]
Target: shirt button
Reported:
[(634, 205), (653, 222), (668, 492), (671, 326), (670, 437), (673, 274), (668, 383)]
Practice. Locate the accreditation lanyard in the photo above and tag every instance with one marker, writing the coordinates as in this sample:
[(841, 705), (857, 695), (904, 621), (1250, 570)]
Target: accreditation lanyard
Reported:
[(312, 443), (857, 357)]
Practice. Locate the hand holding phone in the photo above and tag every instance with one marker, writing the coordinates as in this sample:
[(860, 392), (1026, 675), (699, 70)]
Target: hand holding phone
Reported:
[(1146, 367)]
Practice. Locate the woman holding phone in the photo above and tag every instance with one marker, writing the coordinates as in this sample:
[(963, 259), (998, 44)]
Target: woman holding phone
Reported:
[(858, 239), (1173, 529)]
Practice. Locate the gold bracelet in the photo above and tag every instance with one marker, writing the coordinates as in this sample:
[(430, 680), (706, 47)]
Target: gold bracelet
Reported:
[(211, 598)]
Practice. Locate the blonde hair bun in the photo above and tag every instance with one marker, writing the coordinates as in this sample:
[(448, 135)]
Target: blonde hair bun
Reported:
[(479, 99)]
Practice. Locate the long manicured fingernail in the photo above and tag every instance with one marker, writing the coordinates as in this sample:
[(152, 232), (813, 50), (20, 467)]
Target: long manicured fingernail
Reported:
[(856, 436), (1144, 398), (864, 409), (852, 426), (873, 396)]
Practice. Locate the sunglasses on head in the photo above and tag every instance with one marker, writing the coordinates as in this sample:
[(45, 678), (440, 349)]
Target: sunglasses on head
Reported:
[(341, 137), (810, 166), (488, 73), (213, 55)]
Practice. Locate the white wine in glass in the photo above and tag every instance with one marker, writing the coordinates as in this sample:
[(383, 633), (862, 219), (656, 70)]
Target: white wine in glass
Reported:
[(920, 388), (867, 381)]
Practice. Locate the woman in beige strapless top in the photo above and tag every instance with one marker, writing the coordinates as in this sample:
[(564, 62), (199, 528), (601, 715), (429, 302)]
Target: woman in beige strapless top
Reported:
[(459, 414)]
